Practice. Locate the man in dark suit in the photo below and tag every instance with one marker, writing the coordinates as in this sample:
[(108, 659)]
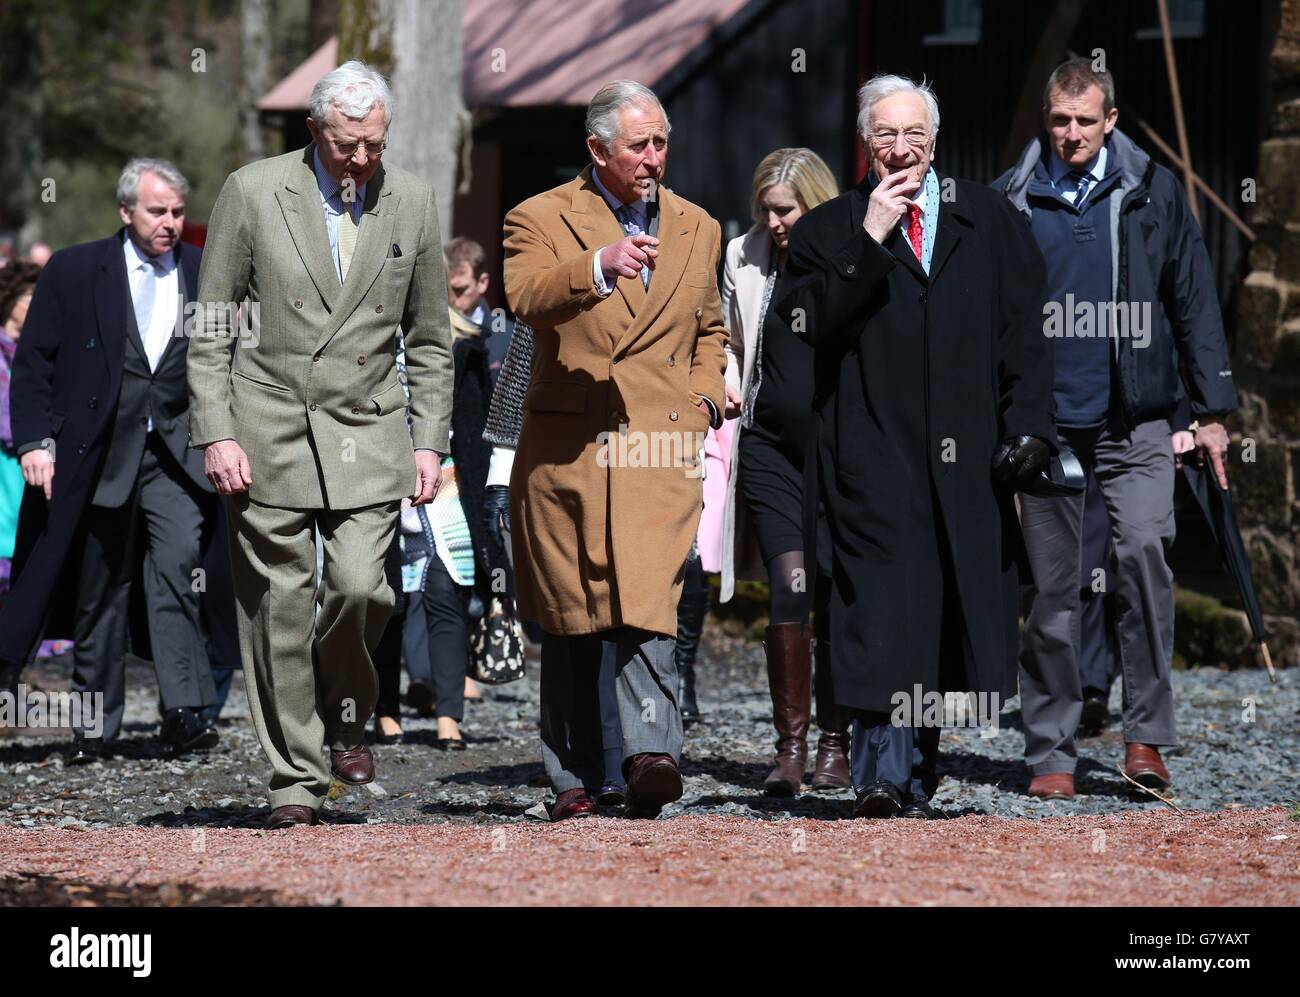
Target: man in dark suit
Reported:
[(922, 296), (99, 393)]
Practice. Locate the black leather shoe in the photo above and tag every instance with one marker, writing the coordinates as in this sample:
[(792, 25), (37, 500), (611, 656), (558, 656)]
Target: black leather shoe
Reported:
[(449, 743), (918, 808), (612, 794), (419, 697), (1096, 713), (184, 730), (84, 750), (382, 738), (880, 799)]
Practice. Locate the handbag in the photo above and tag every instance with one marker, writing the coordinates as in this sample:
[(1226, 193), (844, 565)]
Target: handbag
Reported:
[(497, 645)]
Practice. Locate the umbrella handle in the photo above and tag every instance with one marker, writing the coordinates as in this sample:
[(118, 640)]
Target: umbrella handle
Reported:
[(1268, 661)]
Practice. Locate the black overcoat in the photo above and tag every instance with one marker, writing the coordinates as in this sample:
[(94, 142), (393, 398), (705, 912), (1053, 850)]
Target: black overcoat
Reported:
[(917, 380), (66, 382)]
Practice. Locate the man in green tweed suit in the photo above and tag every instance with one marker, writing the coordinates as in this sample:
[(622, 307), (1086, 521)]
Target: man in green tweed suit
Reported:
[(303, 423)]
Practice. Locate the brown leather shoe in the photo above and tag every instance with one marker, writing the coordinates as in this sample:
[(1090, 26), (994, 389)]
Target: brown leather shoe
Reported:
[(1142, 764), (652, 782), (572, 803), (789, 674), (291, 815), (1053, 786), (355, 766), (831, 769)]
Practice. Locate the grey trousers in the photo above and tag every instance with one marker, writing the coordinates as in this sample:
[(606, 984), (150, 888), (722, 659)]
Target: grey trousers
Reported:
[(313, 680), (162, 513), (1136, 475), (646, 684)]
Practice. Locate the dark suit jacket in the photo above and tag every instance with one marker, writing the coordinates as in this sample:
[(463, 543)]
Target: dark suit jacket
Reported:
[(77, 345)]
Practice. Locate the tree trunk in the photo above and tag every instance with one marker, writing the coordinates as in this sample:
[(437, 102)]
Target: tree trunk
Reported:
[(254, 75), (418, 47)]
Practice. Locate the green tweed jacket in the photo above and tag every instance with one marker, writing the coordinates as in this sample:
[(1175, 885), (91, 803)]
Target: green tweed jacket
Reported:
[(310, 390)]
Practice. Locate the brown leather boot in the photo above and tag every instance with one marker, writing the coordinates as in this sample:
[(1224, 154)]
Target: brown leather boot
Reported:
[(831, 769), (789, 673)]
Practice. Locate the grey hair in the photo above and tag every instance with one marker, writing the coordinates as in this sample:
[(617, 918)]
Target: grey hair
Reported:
[(879, 87), (602, 112), (128, 184), (355, 88)]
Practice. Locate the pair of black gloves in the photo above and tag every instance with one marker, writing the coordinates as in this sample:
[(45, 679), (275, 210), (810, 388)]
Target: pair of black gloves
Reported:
[(1018, 460), (496, 512)]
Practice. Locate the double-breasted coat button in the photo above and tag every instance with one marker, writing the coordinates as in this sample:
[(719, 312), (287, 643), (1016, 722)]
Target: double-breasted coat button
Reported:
[(355, 410), (672, 361), (672, 416), (379, 309), (699, 312), (850, 269), (298, 303), (361, 360), (312, 406)]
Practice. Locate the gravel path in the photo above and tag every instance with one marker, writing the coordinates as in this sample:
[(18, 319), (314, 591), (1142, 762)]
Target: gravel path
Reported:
[(463, 828), (1241, 750)]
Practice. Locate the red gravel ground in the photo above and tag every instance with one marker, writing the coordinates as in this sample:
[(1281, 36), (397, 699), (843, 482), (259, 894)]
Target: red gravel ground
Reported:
[(1233, 857)]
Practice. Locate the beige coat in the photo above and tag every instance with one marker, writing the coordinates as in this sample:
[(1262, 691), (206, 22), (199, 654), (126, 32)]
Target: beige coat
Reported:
[(312, 393), (599, 540)]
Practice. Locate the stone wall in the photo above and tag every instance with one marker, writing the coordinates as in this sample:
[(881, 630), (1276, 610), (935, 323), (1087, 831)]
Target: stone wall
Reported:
[(1266, 359)]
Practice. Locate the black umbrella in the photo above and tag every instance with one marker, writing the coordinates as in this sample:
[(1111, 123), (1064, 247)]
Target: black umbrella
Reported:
[(1216, 503)]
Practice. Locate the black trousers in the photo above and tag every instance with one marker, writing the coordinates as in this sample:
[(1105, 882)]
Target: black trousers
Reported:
[(435, 638), (163, 518)]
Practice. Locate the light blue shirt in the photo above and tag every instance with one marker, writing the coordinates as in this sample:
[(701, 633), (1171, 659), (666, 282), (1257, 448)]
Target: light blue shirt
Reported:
[(1058, 171), (331, 199), (927, 198)]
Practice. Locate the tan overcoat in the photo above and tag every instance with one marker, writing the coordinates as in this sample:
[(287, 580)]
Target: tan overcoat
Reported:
[(605, 492)]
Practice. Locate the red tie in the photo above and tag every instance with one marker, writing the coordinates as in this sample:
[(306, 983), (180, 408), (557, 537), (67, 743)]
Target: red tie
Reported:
[(914, 229)]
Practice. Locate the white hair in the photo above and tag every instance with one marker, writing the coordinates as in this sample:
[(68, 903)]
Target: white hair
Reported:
[(879, 87), (354, 88), (128, 184), (602, 112)]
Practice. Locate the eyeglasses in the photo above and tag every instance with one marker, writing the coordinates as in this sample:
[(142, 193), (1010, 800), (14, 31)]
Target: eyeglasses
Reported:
[(371, 150), (884, 138)]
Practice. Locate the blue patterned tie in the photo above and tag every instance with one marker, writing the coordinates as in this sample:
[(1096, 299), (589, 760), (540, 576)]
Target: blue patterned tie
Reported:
[(1081, 183), (632, 226)]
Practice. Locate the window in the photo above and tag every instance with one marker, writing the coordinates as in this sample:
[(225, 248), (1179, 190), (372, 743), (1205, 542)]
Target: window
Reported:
[(1186, 20), (961, 23)]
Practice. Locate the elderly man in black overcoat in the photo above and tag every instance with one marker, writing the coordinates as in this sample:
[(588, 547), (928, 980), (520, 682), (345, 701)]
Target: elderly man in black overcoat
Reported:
[(923, 297)]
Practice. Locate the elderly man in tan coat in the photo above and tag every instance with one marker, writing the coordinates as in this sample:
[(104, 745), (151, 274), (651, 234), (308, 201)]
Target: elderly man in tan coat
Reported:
[(617, 276), (304, 424)]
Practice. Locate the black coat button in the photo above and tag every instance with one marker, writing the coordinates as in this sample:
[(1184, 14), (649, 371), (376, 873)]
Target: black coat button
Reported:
[(355, 410), (312, 406), (93, 403), (81, 449), (361, 360), (850, 269), (297, 304), (921, 300), (379, 309), (90, 344)]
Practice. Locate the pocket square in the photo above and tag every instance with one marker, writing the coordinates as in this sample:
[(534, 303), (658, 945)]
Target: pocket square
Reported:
[(397, 251)]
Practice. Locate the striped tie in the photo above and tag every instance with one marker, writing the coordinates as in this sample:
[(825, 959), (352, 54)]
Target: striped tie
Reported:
[(632, 226), (1081, 183)]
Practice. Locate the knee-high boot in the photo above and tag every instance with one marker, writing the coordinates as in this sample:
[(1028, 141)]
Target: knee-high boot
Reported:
[(789, 673), (691, 613)]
